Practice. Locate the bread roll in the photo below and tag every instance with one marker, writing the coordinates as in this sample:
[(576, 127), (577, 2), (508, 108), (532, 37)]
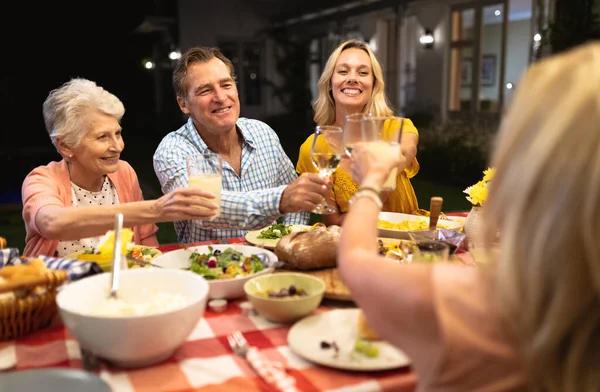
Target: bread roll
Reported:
[(365, 332), (309, 249)]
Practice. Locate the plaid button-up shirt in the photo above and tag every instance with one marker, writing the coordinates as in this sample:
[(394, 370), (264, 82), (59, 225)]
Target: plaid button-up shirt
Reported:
[(250, 200)]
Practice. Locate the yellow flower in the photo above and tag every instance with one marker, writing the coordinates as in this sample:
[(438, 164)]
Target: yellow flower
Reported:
[(477, 194), (488, 174)]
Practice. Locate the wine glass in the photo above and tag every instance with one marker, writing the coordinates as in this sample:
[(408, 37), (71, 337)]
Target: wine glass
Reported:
[(326, 152)]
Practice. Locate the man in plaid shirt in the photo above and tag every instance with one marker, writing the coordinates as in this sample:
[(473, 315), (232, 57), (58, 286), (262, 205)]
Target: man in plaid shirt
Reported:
[(260, 183)]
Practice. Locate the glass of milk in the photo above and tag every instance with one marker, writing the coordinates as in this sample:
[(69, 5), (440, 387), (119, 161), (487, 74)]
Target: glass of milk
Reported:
[(205, 171)]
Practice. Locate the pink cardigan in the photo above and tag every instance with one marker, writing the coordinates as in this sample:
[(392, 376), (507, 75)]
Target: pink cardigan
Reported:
[(51, 185)]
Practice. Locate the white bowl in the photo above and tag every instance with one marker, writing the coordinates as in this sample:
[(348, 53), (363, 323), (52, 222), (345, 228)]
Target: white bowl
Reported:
[(395, 217), (220, 288), (134, 340)]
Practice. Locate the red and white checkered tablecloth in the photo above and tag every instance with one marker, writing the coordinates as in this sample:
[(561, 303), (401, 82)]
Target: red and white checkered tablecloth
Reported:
[(205, 362)]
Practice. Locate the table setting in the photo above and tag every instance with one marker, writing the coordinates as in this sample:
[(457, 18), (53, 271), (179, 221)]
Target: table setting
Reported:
[(313, 349), (264, 312)]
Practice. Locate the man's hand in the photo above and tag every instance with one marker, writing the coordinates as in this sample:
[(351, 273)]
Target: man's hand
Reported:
[(305, 193)]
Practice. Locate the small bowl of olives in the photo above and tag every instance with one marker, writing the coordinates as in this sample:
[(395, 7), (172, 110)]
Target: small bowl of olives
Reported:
[(285, 297)]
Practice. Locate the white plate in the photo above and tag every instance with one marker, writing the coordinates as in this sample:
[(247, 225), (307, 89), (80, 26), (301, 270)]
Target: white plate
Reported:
[(270, 243), (221, 288), (341, 326), (395, 217)]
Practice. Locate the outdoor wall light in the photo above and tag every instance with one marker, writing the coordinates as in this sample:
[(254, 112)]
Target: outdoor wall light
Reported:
[(509, 85), (537, 37), (427, 39)]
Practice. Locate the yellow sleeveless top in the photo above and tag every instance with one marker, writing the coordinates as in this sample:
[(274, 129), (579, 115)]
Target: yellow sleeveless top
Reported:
[(402, 199)]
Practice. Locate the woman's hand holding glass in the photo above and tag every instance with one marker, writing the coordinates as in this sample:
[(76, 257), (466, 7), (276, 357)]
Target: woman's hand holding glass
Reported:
[(372, 163), (326, 152), (205, 171), (185, 204), (386, 131)]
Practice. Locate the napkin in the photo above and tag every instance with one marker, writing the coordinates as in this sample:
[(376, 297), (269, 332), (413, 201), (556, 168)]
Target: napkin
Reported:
[(76, 269)]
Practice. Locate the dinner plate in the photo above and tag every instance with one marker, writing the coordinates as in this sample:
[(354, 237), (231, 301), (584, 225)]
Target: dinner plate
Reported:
[(52, 380), (395, 217), (340, 326), (104, 262), (231, 288), (270, 243)]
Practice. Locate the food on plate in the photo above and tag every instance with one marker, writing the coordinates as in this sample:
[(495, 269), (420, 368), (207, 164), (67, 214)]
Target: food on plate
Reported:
[(156, 302), (396, 249), (366, 348), (365, 332), (224, 264), (285, 292), (104, 250), (107, 243), (2, 242), (144, 253), (408, 225), (11, 274), (308, 250), (276, 230), (103, 253), (325, 345)]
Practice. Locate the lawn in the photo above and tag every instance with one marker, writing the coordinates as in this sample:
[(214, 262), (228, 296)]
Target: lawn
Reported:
[(12, 228)]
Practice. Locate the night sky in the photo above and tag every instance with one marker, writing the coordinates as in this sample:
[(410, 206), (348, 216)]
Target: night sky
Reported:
[(55, 41)]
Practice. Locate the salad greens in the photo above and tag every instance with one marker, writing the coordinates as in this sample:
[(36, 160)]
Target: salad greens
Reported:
[(224, 264), (276, 230)]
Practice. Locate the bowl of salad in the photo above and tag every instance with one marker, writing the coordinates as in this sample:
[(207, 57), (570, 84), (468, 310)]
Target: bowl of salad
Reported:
[(226, 267)]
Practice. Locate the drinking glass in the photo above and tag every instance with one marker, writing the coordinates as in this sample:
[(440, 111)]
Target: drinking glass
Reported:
[(430, 251), (205, 171), (353, 131), (326, 152), (387, 132)]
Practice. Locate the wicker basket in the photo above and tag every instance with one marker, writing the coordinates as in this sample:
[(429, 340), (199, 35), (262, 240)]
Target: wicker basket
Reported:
[(19, 317)]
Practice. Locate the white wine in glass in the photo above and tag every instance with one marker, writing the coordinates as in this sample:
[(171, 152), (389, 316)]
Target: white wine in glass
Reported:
[(326, 153)]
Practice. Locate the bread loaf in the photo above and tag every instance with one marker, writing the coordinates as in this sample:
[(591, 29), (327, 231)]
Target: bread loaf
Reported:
[(309, 249)]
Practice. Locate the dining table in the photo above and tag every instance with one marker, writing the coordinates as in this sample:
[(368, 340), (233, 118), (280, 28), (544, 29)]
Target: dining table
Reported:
[(205, 361)]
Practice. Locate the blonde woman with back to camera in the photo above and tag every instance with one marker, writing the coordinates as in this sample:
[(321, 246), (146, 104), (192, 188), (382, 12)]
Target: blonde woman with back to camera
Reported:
[(530, 318), (352, 82), (68, 205)]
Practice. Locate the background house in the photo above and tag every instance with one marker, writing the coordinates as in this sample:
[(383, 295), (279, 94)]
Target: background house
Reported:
[(499, 38)]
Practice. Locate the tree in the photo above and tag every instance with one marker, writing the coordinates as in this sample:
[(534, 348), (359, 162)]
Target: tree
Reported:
[(575, 22)]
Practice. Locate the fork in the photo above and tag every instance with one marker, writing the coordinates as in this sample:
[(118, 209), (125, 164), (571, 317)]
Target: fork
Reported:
[(273, 374)]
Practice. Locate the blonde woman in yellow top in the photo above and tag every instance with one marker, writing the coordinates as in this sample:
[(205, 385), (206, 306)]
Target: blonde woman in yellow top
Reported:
[(352, 82)]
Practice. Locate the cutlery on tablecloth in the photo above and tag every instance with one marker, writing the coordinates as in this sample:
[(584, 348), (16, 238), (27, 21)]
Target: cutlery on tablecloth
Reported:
[(274, 374)]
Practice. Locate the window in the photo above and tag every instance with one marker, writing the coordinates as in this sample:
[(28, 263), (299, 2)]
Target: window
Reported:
[(477, 57)]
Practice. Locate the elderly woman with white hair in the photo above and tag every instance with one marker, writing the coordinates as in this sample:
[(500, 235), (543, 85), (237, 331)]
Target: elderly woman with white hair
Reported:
[(69, 205), (529, 319)]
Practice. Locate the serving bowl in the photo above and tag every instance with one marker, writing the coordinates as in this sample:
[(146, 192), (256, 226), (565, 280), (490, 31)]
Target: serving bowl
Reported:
[(133, 340), (289, 308), (395, 217), (231, 288)]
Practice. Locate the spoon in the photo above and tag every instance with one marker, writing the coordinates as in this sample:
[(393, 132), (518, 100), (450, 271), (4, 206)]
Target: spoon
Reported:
[(116, 265)]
